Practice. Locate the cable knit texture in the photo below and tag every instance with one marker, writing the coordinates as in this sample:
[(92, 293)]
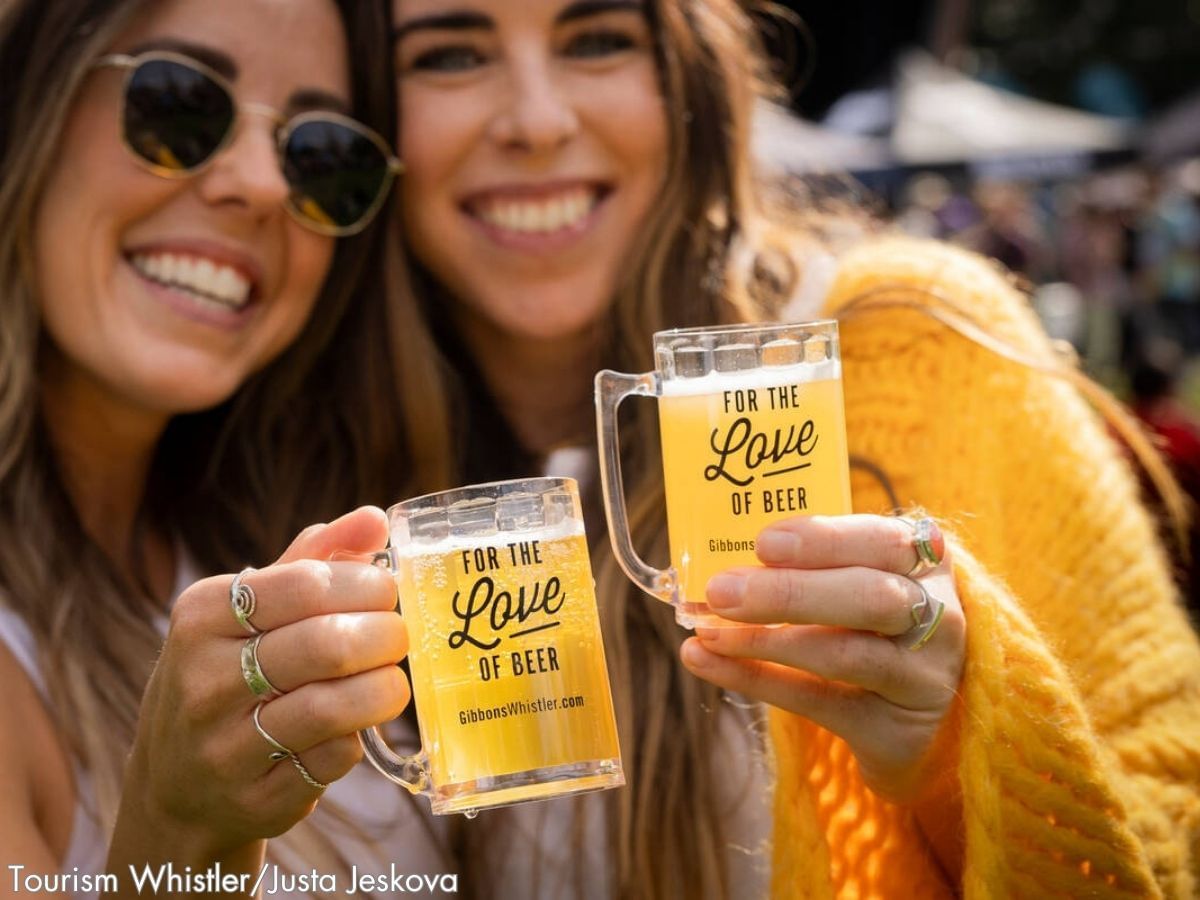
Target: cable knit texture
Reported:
[(1078, 758)]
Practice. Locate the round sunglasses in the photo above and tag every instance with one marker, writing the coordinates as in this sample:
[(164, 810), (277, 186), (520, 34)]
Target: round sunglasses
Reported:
[(178, 114)]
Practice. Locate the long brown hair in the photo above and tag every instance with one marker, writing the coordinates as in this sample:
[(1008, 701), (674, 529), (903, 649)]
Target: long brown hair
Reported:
[(709, 253), (304, 440)]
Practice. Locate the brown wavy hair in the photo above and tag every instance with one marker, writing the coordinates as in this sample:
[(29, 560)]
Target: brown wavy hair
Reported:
[(305, 439), (717, 247)]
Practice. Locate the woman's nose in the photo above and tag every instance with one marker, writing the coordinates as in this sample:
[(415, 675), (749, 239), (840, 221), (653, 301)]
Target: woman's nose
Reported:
[(539, 115), (247, 173)]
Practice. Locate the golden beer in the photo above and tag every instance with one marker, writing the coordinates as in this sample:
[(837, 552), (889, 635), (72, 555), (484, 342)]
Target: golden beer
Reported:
[(529, 694), (753, 431), (740, 452), (505, 654)]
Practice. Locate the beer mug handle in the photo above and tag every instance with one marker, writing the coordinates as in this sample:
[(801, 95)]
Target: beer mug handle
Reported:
[(611, 388), (411, 772)]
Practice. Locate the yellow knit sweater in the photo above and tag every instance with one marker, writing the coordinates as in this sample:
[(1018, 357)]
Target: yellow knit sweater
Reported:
[(1078, 751)]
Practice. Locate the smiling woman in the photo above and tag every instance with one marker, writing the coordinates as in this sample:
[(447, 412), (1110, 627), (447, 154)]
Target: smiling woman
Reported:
[(926, 717), (531, 170), (181, 243)]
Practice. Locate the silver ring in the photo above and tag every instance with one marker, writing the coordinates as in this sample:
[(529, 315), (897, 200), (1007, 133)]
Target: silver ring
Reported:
[(307, 775), (242, 600), (926, 615), (280, 751), (929, 544), (252, 673)]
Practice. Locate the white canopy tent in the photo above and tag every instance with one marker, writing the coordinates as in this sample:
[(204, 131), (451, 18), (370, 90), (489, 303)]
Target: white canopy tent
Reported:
[(932, 116), (942, 115)]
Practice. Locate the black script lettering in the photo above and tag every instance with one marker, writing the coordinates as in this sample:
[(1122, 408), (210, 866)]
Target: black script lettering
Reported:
[(758, 447), (484, 586), (502, 608), (507, 609)]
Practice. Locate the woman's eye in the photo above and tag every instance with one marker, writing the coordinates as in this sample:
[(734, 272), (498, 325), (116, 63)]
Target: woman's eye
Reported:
[(592, 44), (448, 59)]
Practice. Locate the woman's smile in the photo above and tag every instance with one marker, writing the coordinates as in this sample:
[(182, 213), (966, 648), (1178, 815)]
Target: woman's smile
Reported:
[(537, 218)]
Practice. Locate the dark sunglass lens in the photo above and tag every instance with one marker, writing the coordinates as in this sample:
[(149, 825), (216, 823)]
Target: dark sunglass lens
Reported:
[(175, 116), (336, 173)]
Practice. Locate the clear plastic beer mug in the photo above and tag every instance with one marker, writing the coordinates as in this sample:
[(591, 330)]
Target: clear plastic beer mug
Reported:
[(507, 664), (753, 430)]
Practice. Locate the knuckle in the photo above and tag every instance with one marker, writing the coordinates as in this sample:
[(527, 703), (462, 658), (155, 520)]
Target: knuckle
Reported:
[(785, 592), (319, 708), (308, 533), (900, 550), (304, 583), (758, 641), (847, 655), (211, 760), (893, 601), (753, 671), (835, 537), (333, 648), (188, 612)]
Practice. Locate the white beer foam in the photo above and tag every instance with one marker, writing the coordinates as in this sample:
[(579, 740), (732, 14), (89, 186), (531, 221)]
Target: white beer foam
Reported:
[(452, 543), (761, 377)]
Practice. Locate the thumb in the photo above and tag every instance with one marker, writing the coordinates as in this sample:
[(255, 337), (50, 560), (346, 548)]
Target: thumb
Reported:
[(364, 530)]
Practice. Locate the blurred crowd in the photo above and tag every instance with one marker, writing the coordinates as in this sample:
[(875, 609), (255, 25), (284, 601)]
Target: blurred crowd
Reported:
[(1113, 262)]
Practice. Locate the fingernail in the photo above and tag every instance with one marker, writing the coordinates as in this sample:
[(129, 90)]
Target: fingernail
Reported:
[(694, 655), (777, 546), (726, 590), (708, 635)]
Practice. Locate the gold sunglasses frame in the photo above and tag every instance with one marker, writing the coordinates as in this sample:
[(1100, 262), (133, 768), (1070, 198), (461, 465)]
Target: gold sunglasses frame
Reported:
[(284, 128)]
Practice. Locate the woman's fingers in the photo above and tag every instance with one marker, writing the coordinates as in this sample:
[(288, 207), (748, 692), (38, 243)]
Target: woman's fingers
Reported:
[(830, 704), (362, 530), (857, 597), (832, 542), (329, 647), (856, 658), (284, 593), (888, 740), (326, 710), (857, 646), (325, 763)]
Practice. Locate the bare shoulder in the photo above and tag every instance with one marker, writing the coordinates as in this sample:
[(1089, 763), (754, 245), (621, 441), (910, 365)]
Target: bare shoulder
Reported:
[(37, 800)]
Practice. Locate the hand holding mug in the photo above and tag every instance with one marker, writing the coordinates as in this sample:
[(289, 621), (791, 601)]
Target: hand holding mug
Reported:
[(854, 643), (323, 635)]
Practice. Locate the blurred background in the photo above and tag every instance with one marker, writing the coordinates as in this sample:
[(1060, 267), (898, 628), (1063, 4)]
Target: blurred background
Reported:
[(1062, 139)]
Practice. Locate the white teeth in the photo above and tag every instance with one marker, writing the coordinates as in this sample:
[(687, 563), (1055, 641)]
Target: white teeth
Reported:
[(540, 216), (204, 278)]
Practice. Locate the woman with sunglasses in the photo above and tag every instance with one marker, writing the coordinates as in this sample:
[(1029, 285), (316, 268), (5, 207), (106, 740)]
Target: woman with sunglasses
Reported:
[(577, 177), (187, 378)]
